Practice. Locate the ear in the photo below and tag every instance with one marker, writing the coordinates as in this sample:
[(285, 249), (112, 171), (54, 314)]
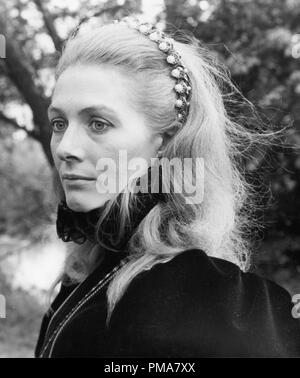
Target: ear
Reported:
[(163, 138), (158, 142), (168, 134)]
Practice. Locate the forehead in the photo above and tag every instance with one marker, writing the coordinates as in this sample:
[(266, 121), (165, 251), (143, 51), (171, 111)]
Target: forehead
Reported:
[(79, 86)]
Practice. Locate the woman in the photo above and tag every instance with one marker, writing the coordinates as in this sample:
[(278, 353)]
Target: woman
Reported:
[(152, 271)]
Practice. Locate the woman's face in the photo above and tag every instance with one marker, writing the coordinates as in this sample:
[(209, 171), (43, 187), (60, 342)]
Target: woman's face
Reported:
[(92, 118)]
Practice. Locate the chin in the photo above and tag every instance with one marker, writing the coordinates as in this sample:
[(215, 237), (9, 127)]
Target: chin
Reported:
[(85, 202)]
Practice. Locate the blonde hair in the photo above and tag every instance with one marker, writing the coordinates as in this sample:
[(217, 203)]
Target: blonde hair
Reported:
[(220, 224)]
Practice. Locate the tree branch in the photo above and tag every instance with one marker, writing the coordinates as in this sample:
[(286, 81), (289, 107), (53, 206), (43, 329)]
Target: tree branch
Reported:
[(49, 23), (21, 73)]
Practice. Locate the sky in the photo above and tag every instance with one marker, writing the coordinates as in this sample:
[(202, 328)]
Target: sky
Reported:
[(151, 8)]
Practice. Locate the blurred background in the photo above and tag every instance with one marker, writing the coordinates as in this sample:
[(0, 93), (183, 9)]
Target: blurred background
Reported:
[(259, 40)]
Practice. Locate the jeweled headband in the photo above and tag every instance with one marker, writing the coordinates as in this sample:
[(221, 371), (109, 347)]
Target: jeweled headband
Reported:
[(179, 72)]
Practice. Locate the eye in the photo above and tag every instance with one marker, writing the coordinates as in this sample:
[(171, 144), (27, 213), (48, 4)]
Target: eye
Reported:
[(58, 125), (99, 125)]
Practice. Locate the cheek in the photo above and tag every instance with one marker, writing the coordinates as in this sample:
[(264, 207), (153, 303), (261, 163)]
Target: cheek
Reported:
[(53, 146), (117, 150), (52, 143), (135, 143)]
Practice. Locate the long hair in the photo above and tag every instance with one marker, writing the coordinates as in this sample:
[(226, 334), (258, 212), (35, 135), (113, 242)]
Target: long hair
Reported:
[(220, 224)]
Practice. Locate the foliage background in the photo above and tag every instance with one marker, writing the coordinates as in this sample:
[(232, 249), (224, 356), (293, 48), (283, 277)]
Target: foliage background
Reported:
[(256, 39)]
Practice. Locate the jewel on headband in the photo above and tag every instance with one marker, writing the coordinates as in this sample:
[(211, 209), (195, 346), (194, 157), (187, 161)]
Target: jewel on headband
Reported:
[(179, 72)]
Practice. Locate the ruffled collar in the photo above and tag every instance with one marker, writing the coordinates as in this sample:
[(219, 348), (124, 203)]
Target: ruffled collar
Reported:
[(79, 226)]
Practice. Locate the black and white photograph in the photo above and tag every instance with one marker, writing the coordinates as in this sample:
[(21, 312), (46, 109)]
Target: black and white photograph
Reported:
[(150, 181)]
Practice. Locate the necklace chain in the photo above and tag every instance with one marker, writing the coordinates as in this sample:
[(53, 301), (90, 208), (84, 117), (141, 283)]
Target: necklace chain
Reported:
[(107, 278)]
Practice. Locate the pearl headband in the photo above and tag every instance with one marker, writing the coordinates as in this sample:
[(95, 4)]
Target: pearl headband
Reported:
[(179, 72)]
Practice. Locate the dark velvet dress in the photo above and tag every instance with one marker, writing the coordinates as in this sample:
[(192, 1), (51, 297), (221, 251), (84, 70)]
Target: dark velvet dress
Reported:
[(191, 306)]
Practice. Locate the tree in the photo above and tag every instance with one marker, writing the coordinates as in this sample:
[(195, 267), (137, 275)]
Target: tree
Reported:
[(255, 39)]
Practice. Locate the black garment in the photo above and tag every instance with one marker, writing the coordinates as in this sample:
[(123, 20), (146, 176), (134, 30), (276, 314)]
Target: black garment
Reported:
[(191, 306)]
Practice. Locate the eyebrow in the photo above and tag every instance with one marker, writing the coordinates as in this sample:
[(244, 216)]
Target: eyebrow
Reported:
[(89, 110)]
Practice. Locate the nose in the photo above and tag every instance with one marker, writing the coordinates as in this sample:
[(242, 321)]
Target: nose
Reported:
[(71, 144)]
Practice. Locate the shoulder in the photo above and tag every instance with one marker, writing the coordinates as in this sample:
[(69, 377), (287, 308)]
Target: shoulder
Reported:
[(193, 273), (198, 303)]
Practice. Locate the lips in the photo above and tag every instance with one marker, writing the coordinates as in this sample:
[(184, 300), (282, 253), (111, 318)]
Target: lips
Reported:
[(69, 176)]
